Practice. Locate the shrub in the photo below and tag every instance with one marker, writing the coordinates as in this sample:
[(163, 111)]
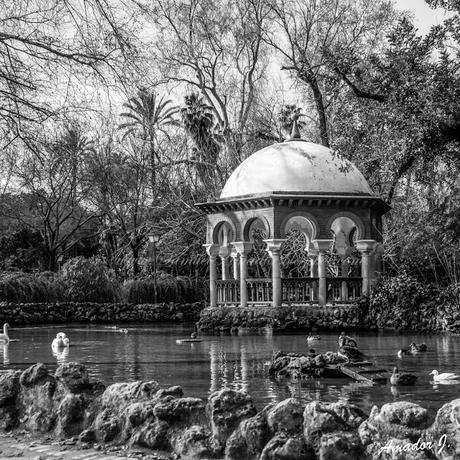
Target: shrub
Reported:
[(88, 281), (180, 289), (403, 302), (24, 287)]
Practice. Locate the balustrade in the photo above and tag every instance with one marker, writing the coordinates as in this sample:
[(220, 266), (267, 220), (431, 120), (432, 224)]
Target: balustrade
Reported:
[(294, 290), (343, 289), (228, 291), (259, 290), (298, 290)]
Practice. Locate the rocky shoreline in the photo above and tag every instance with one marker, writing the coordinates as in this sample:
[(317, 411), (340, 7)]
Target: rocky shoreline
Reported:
[(67, 404), (87, 312)]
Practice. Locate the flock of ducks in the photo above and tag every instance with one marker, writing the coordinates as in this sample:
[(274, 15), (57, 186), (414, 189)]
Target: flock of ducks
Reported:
[(398, 378)]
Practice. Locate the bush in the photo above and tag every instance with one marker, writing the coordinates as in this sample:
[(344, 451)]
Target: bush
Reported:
[(28, 288), (180, 289), (88, 281), (403, 302)]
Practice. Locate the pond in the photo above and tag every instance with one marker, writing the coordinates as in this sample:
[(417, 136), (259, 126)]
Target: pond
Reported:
[(150, 352)]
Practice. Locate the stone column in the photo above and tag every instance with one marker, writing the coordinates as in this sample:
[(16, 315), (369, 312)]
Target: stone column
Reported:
[(313, 256), (213, 251), (236, 264), (273, 248), (322, 246), (224, 254), (365, 247), (243, 248), (344, 274)]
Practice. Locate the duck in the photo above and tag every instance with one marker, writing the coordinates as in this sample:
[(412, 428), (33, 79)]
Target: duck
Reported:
[(415, 348), (123, 330), (313, 338), (445, 376), (402, 379), (5, 338), (403, 352)]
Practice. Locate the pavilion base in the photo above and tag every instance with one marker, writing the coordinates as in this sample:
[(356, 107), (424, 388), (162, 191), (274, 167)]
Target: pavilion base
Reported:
[(287, 318)]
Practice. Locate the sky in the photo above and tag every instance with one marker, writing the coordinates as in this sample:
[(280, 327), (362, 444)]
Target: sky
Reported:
[(424, 16)]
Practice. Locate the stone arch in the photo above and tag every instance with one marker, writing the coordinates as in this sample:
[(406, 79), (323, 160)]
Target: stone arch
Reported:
[(356, 220), (303, 221), (255, 222), (224, 232)]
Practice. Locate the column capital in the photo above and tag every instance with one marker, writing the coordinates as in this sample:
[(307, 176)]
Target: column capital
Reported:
[(274, 245), (322, 245), (212, 249), (313, 253), (234, 254), (224, 251), (242, 247), (366, 246)]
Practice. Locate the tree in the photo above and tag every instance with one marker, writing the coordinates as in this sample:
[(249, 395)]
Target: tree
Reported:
[(147, 115), (44, 43), (215, 48), (307, 34), (199, 123), (54, 177)]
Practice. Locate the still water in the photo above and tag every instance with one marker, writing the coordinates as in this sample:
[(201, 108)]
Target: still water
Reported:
[(151, 352)]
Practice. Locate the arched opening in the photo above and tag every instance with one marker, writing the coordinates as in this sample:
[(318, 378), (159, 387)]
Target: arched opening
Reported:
[(294, 255), (259, 265)]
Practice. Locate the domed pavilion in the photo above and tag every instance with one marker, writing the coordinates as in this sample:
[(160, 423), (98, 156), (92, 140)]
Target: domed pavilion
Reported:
[(296, 186)]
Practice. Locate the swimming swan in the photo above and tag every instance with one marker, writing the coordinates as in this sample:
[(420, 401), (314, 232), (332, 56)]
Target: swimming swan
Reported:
[(5, 338), (60, 341), (437, 377)]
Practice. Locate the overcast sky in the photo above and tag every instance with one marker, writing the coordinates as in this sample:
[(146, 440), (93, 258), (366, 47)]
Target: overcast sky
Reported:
[(424, 16)]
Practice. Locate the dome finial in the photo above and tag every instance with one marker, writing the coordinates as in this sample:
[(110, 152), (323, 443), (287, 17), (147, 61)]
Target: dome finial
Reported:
[(295, 132)]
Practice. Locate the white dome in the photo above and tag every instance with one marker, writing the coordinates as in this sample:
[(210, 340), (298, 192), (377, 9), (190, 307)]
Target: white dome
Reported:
[(295, 166)]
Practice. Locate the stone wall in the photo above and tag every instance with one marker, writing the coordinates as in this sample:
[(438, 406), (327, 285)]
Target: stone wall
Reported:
[(302, 318), (228, 425), (49, 313)]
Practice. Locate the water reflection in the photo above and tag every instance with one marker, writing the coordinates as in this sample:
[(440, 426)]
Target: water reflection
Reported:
[(6, 354), (61, 355)]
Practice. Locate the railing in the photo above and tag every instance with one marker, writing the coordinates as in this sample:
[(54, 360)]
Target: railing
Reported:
[(228, 291), (293, 290), (259, 290), (299, 290), (343, 289)]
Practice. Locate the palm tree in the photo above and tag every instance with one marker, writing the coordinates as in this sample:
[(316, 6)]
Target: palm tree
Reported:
[(286, 118), (148, 113), (199, 122)]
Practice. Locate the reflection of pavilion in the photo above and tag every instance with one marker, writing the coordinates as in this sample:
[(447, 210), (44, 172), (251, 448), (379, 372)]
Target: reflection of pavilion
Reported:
[(283, 192), (237, 374)]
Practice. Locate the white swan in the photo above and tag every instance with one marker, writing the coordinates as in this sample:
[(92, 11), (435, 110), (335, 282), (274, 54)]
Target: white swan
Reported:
[(5, 338), (437, 377), (60, 341)]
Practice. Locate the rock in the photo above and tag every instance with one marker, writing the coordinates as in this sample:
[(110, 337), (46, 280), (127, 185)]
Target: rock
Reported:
[(286, 416), (340, 446), (87, 435), (71, 415), (194, 442), (398, 420), (107, 426), (282, 447), (73, 376), (181, 410), (120, 395), (153, 435), (225, 410), (137, 414), (249, 439), (9, 387), (447, 422), (404, 413), (33, 375)]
